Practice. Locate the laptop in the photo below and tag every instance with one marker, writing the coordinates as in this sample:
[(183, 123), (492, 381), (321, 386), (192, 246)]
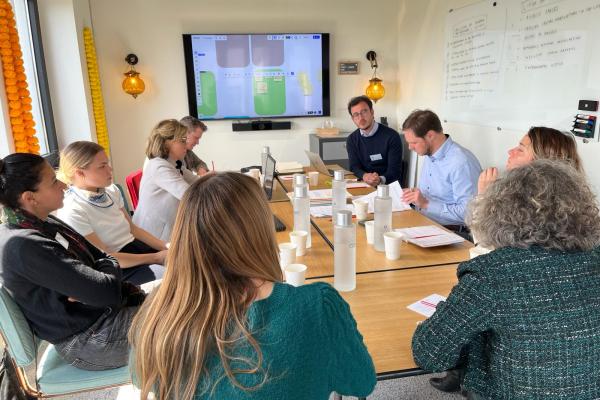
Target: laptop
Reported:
[(268, 183), (317, 163)]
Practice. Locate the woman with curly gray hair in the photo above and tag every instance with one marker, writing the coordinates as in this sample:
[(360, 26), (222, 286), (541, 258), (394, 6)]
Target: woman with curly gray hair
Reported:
[(523, 319)]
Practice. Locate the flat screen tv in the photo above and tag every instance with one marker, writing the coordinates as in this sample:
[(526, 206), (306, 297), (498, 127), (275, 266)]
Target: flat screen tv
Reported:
[(272, 75)]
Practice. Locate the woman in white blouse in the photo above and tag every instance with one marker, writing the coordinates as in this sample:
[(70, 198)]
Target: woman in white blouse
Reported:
[(165, 179), (95, 208)]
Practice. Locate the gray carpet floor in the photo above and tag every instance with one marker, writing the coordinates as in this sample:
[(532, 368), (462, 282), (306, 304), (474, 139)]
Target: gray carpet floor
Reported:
[(411, 388)]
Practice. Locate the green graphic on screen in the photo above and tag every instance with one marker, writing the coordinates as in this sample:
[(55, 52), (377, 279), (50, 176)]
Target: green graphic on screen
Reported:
[(269, 91), (208, 91)]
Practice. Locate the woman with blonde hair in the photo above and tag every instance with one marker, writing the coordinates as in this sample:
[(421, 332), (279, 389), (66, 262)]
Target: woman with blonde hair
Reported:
[(165, 179), (95, 208), (539, 143), (222, 325)]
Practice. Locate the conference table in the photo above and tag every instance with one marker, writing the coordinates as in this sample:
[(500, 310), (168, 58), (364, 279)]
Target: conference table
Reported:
[(379, 306), (384, 288)]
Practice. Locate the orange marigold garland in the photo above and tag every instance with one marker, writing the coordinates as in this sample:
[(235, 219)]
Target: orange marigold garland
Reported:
[(96, 90), (15, 83)]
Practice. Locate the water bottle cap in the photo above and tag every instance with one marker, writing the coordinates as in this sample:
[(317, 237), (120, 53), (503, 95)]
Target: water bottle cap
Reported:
[(338, 175), (299, 179), (301, 191), (383, 191), (343, 218), (266, 150)]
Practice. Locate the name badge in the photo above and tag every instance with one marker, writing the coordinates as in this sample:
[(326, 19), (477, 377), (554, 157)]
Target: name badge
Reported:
[(60, 239), (376, 157)]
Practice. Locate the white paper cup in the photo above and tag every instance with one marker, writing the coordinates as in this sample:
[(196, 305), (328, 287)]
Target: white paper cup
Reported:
[(299, 239), (287, 254), (392, 241), (255, 173), (313, 178), (361, 208), (370, 230), (295, 274)]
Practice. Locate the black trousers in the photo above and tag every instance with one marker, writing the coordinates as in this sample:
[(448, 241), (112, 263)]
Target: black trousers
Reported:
[(141, 273)]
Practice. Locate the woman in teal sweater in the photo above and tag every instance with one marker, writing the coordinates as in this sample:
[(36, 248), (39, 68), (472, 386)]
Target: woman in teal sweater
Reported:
[(524, 318), (223, 326)]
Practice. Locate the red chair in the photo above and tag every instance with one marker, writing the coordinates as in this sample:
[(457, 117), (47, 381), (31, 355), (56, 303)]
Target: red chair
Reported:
[(133, 186)]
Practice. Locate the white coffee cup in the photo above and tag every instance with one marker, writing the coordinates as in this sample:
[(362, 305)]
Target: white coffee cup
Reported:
[(313, 178), (299, 239), (255, 173), (287, 254), (295, 274), (361, 209), (393, 241), (370, 230)]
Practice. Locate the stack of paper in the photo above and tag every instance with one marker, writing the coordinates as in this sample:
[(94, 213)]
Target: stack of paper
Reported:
[(430, 236), (427, 306), (289, 167), (395, 194)]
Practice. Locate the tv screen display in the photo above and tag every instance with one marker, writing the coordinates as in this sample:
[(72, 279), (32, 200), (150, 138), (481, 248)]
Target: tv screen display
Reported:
[(257, 75)]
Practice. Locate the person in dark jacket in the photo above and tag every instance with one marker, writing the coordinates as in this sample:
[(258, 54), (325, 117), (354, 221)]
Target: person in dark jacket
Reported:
[(523, 319), (374, 150), (70, 292)]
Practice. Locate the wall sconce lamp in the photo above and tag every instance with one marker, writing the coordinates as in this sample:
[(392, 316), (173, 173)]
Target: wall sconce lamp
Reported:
[(133, 84), (375, 90)]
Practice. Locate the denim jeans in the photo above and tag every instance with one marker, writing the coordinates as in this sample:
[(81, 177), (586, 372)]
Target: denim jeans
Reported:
[(103, 345)]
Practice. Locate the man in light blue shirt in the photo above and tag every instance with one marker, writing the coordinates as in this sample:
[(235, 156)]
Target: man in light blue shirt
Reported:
[(449, 173)]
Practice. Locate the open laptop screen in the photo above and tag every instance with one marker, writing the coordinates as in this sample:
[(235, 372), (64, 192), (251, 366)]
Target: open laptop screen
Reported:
[(269, 176)]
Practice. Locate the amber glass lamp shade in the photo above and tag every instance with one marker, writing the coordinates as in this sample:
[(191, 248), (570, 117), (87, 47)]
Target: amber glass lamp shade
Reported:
[(375, 90), (133, 84)]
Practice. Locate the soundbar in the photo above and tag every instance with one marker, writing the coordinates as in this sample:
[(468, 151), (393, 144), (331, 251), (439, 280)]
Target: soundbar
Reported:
[(261, 125)]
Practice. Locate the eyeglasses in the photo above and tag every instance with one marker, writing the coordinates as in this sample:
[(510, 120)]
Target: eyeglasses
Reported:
[(362, 113)]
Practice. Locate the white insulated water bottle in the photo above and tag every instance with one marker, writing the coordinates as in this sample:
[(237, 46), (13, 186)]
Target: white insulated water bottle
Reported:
[(344, 252), (383, 216), (299, 179), (263, 163), (338, 201), (263, 157), (302, 212)]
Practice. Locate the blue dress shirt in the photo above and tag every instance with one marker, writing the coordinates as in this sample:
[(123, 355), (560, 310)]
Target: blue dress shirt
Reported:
[(449, 181)]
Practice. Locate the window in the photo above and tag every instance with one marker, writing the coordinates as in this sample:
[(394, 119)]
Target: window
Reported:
[(27, 19)]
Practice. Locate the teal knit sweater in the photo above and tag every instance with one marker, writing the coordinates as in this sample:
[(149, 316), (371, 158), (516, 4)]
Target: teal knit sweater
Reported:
[(310, 347), (525, 322)]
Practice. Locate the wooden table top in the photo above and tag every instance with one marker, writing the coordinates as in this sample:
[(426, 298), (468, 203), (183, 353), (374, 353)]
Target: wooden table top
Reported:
[(369, 260), (379, 306), (411, 255), (324, 182)]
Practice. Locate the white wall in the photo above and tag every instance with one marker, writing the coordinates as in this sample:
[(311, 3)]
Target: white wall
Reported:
[(420, 73), (152, 29), (62, 22)]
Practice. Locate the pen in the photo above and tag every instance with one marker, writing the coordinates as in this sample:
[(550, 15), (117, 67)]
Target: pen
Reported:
[(213, 165), (424, 236)]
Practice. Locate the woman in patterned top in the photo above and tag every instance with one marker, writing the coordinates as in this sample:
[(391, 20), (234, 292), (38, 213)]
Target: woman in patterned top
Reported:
[(523, 320)]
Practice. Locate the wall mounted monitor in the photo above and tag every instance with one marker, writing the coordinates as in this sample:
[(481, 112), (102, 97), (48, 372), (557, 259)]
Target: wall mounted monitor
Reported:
[(271, 75)]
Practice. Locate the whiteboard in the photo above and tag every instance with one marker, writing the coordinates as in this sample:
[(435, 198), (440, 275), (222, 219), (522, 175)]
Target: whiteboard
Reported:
[(513, 64)]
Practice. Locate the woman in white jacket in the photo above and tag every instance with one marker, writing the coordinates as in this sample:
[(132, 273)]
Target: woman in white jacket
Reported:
[(165, 179)]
